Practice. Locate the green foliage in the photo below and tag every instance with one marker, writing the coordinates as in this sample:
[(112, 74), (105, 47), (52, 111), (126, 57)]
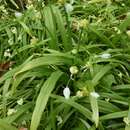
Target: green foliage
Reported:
[(85, 49)]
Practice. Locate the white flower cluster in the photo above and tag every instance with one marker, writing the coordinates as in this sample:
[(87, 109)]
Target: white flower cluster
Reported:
[(7, 53), (11, 111), (69, 7)]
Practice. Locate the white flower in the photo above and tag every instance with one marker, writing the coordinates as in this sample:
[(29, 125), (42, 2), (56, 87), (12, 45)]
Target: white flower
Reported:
[(11, 111), (59, 119), (20, 101), (7, 53), (33, 41), (128, 14), (94, 94), (73, 70), (74, 51), (83, 23), (122, 4), (24, 123), (18, 14), (119, 31), (126, 120), (128, 33), (105, 55), (66, 93), (30, 6), (107, 99), (80, 93), (120, 74), (69, 8)]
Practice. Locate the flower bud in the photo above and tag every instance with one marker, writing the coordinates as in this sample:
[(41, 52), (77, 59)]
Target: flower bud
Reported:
[(66, 93), (73, 70)]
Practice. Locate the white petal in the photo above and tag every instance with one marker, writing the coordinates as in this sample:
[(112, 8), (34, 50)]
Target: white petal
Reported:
[(59, 120), (20, 101), (105, 55), (7, 53), (94, 94), (18, 14), (69, 8), (11, 111)]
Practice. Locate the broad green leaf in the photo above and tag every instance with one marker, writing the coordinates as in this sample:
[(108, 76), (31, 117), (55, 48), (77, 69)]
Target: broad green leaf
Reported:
[(37, 73), (47, 60), (42, 99), (60, 23), (50, 25), (106, 106), (101, 36), (121, 87), (114, 115), (100, 74)]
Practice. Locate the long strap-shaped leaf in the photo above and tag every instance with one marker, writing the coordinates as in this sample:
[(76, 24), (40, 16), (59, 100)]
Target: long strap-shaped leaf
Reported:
[(50, 24), (43, 98), (46, 60), (60, 23)]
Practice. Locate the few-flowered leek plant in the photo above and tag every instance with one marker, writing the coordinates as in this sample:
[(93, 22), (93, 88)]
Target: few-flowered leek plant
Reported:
[(72, 65)]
